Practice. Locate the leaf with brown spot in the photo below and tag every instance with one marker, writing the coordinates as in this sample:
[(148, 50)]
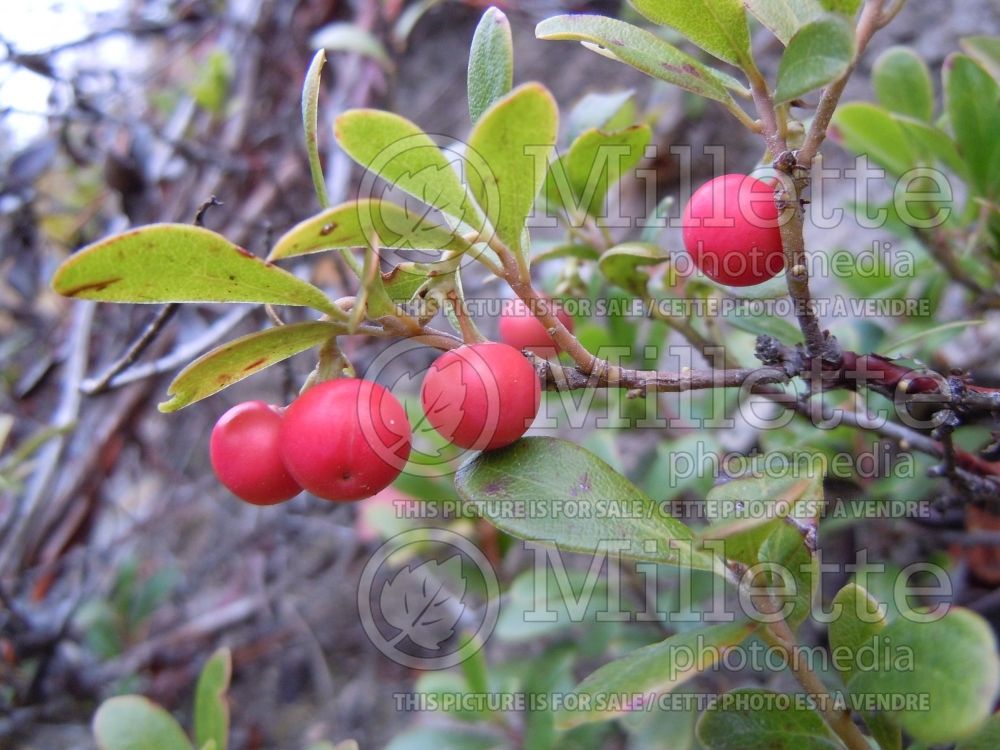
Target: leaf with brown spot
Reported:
[(180, 263), (242, 357)]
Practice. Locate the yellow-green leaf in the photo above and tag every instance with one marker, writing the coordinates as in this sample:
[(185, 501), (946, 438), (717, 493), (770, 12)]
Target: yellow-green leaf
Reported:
[(356, 223), (131, 722), (241, 358), (512, 142), (717, 26), (491, 62), (180, 263), (392, 148), (211, 710)]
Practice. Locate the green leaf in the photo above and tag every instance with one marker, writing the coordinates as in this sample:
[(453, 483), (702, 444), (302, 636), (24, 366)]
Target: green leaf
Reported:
[(596, 161), (211, 710), (928, 140), (238, 359), (985, 50), (973, 105), (652, 670), (846, 7), (514, 139), (746, 510), (571, 250), (952, 661), (621, 265), (356, 223), (987, 738), (310, 125), (403, 281), (784, 17), (394, 149), (491, 62), (859, 622), (868, 129), (820, 52), (902, 83), (605, 111), (180, 263), (639, 48), (785, 547), (731, 724), (214, 78), (131, 722), (610, 508), (350, 37), (764, 325), (717, 26)]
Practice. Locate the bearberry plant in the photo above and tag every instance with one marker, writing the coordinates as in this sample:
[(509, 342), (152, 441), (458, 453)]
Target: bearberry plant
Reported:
[(347, 438)]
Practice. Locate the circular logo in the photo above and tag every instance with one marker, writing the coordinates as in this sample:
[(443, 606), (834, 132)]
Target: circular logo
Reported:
[(419, 612)]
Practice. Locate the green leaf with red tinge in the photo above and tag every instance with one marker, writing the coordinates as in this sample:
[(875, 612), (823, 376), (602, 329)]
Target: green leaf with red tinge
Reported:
[(180, 263), (241, 358), (610, 508), (356, 223), (639, 48)]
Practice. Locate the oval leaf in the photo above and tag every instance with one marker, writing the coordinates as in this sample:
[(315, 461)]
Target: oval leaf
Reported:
[(606, 111), (652, 670), (973, 103), (513, 139), (356, 223), (985, 50), (639, 48), (952, 661), (552, 475), (731, 724), (491, 62), (211, 710), (859, 621), (820, 52), (717, 26), (784, 17), (869, 130), (597, 160), (180, 263), (902, 83), (241, 358), (131, 722), (394, 149), (621, 263)]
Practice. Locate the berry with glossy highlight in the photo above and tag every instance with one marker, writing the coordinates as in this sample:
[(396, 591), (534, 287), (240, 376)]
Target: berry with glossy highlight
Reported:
[(245, 456), (345, 439), (481, 396)]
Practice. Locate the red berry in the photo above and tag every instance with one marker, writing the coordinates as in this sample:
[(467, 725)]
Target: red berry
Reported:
[(731, 230), (345, 439), (481, 396), (245, 455), (520, 329)]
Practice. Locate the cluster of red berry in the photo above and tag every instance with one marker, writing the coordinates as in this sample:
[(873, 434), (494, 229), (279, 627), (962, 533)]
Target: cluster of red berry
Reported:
[(347, 439)]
